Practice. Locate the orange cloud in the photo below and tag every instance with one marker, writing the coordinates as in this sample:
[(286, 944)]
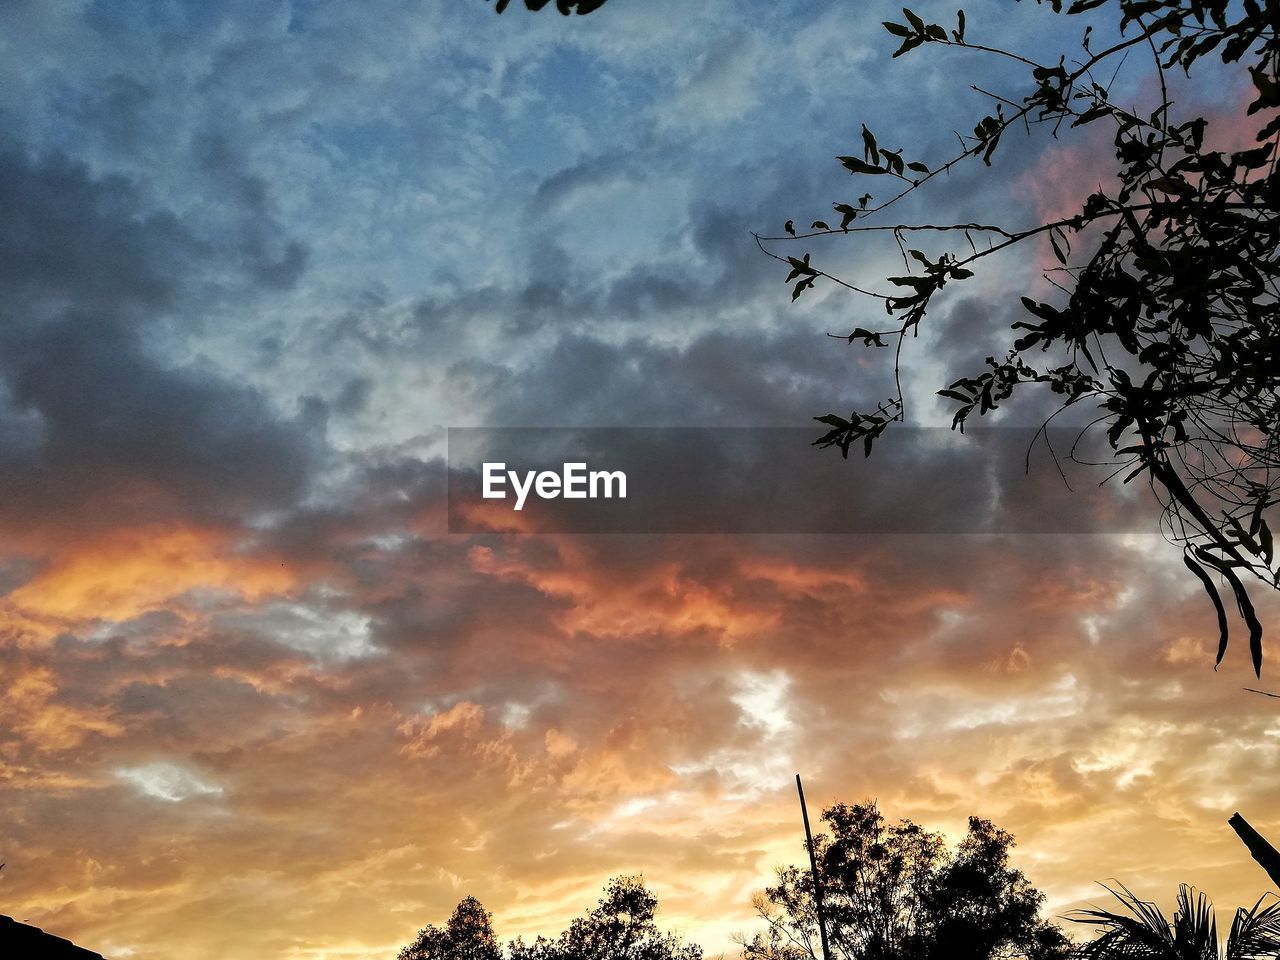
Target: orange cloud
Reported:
[(31, 714), (127, 572), (462, 719), (588, 720)]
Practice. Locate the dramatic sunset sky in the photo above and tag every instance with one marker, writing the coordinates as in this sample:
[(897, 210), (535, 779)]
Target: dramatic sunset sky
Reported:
[(258, 704)]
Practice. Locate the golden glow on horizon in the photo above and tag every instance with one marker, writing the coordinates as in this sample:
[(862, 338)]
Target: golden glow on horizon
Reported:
[(567, 729)]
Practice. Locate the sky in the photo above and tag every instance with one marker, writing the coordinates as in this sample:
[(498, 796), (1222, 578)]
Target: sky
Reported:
[(257, 256)]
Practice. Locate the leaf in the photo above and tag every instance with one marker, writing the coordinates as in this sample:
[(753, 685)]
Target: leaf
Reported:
[(1250, 618), (897, 29), (916, 23), (1117, 429), (869, 338), (991, 148), (916, 283), (838, 436), (847, 213), (1057, 250), (1174, 185), (1029, 341), (790, 227), (1236, 47), (909, 44), (819, 225), (917, 166), (960, 27), (1210, 589), (1252, 159), (854, 165), (800, 268), (1136, 471), (1090, 115), (1041, 310), (869, 149)]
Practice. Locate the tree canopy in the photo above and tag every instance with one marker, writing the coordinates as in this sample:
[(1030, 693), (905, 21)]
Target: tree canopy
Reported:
[(895, 892), (1163, 315), (468, 935), (621, 926)]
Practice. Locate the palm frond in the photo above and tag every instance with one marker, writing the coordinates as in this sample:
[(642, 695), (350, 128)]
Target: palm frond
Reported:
[(1255, 931), (1140, 932), (1195, 929)]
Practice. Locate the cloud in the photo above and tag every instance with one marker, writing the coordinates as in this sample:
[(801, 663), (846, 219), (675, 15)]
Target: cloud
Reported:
[(720, 89), (558, 193), (167, 781), (659, 680), (258, 702), (99, 417)]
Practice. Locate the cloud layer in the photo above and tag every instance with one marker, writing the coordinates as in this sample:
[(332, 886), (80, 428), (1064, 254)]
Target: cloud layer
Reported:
[(257, 702)]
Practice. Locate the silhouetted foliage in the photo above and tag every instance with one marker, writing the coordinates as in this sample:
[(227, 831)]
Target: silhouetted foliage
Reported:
[(895, 892), (620, 927), (1165, 315), (468, 935), (564, 6), (1141, 930)]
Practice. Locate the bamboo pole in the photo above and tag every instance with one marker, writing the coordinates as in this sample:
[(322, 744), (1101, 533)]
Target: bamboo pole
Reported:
[(813, 868)]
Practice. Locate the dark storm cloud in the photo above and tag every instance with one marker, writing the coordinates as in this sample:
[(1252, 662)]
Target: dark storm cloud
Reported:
[(110, 416), (68, 240), (85, 270)]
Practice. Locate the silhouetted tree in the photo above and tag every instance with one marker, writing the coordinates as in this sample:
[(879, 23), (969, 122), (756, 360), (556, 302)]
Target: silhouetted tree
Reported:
[(1141, 930), (981, 906), (1165, 318), (621, 927), (895, 892), (468, 935)]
